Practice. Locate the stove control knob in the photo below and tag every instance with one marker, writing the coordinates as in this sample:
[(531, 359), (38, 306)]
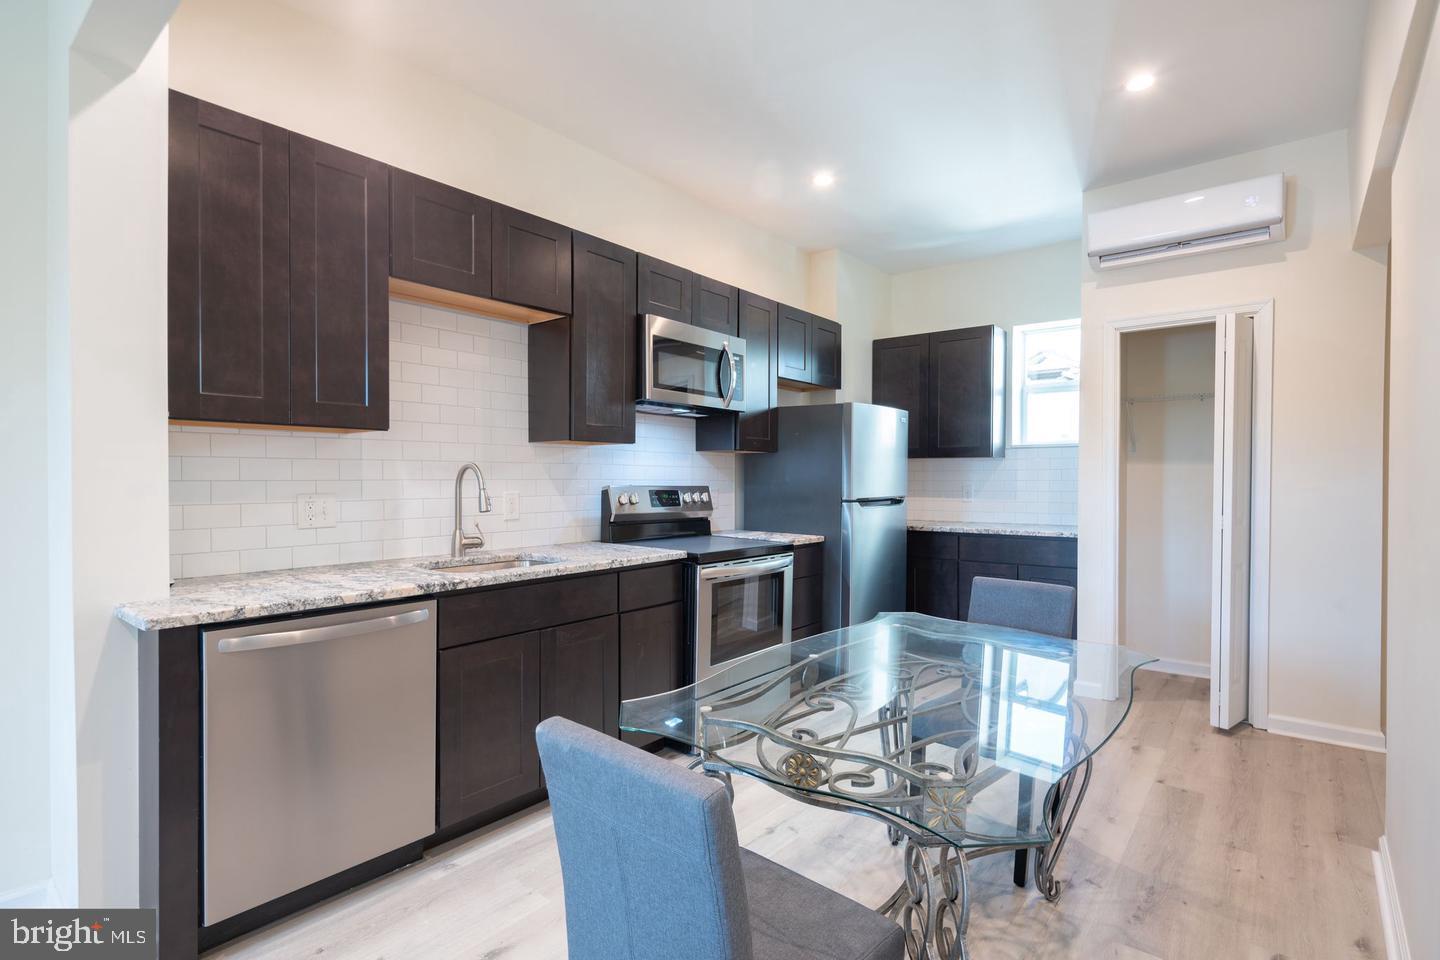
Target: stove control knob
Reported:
[(629, 498), (685, 497), (704, 496)]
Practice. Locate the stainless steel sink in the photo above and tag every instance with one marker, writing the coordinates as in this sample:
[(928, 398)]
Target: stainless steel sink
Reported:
[(486, 566)]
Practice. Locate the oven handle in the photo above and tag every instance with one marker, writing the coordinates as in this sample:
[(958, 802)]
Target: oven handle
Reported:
[(735, 571)]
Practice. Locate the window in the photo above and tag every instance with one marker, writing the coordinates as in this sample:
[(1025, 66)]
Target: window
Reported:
[(1045, 384)]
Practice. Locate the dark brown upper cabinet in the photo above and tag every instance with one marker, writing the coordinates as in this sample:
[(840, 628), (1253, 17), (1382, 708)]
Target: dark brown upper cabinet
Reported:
[(531, 260), (900, 377), (439, 236), (664, 289), (753, 430), (809, 350), (582, 367), (229, 278), (953, 385), (717, 307), (339, 276)]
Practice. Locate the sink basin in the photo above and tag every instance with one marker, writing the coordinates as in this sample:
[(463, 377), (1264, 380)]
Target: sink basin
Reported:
[(486, 566)]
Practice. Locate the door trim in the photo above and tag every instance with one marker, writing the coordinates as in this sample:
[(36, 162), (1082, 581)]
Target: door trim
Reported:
[(1108, 532)]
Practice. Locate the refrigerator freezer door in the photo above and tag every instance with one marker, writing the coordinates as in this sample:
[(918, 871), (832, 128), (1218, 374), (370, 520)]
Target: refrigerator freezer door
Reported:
[(875, 447), (872, 557)]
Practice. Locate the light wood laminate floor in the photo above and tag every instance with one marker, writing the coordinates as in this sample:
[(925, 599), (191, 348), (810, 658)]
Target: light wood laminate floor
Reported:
[(1192, 844)]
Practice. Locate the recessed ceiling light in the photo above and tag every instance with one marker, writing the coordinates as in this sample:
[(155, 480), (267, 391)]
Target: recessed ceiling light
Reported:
[(1140, 82), (823, 179)]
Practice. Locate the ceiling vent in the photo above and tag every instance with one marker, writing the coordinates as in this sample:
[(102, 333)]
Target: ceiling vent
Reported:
[(1234, 215)]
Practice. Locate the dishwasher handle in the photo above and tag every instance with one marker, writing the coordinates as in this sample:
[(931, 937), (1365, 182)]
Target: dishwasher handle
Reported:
[(335, 631)]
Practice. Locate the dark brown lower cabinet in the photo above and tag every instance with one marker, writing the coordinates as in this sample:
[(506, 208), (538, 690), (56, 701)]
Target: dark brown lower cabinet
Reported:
[(651, 644), (580, 673), (488, 706), (940, 568)]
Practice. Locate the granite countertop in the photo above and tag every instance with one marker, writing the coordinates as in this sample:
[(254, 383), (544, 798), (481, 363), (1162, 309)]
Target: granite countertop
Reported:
[(794, 539), (995, 527), (249, 596)]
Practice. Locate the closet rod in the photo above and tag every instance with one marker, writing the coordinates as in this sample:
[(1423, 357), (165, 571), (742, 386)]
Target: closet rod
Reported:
[(1169, 397)]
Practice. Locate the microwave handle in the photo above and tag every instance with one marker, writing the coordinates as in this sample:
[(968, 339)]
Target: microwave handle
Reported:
[(728, 394), (721, 573)]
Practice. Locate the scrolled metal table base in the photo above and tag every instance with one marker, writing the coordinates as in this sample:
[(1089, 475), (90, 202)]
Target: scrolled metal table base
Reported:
[(932, 906)]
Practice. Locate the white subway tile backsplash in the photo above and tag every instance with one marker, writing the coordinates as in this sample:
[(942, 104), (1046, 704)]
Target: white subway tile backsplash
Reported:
[(458, 393), (1034, 484)]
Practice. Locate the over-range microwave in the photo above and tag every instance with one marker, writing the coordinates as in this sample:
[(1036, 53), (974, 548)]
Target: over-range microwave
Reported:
[(687, 370)]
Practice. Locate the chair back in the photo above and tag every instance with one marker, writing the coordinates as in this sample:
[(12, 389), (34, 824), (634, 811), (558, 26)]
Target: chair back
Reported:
[(648, 852), (1047, 608)]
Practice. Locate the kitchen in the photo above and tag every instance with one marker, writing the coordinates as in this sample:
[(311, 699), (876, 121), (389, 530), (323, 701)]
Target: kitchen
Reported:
[(535, 434)]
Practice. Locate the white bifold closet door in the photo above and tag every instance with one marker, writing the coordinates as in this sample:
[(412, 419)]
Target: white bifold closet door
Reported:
[(1230, 553)]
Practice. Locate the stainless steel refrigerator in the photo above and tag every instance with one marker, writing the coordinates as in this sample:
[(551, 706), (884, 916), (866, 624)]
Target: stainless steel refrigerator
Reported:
[(840, 472)]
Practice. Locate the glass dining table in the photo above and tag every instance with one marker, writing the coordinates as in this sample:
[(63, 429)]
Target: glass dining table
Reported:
[(964, 739)]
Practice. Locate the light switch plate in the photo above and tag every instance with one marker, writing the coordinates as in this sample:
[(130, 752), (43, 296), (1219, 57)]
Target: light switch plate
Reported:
[(510, 505), (314, 510)]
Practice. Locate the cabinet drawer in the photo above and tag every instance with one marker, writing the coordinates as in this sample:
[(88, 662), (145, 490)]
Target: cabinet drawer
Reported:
[(1036, 551), (809, 560), (651, 586), (805, 605), (527, 606), (936, 546), (1066, 576)]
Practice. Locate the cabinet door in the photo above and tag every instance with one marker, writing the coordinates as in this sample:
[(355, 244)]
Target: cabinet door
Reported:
[(590, 398), (339, 279), (794, 338), (664, 289), (717, 307), (489, 704), (966, 395), (755, 429), (229, 274), (932, 586), (439, 236), (530, 260), (652, 643), (900, 377), (825, 343), (580, 673)]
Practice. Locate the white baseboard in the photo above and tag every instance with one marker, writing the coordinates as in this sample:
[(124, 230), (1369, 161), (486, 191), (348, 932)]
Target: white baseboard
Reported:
[(1183, 668), (1397, 947), (1356, 737), (42, 894)]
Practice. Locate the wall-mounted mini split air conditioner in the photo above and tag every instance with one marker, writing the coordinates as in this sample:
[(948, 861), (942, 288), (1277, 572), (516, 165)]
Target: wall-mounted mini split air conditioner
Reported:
[(1234, 215)]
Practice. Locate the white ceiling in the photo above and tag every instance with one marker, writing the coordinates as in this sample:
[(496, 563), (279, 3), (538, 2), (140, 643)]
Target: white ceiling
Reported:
[(956, 128)]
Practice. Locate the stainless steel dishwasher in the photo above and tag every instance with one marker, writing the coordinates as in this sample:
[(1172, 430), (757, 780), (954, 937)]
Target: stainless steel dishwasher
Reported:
[(319, 749)]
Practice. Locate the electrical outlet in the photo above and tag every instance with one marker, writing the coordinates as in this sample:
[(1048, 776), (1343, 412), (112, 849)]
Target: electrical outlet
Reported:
[(510, 505), (967, 491), (316, 510)]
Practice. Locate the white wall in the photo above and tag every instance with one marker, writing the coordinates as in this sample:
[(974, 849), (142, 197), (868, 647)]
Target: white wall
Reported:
[(1412, 768), (1328, 381), (458, 392), (1037, 485), (115, 345), (1166, 506), (1396, 34), (25, 674)]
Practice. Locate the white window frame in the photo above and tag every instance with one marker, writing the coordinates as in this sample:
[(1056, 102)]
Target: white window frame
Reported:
[(1017, 380)]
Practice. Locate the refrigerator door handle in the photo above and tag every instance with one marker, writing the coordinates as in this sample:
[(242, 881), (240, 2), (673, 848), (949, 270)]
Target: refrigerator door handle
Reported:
[(877, 501)]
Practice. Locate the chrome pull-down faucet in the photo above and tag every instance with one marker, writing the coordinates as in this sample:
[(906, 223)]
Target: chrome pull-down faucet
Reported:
[(459, 543)]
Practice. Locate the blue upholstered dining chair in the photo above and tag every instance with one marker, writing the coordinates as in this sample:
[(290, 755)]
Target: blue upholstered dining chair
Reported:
[(653, 869)]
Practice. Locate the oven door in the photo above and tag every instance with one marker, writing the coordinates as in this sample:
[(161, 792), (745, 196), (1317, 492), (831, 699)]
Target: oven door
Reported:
[(741, 607), (685, 366)]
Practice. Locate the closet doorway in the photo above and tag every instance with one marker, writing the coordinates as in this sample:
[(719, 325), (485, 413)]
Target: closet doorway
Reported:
[(1187, 453)]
